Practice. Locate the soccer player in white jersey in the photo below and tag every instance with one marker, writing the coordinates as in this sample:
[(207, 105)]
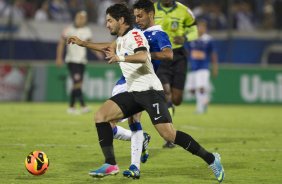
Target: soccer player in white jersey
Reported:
[(161, 51), (75, 59), (201, 53), (144, 92)]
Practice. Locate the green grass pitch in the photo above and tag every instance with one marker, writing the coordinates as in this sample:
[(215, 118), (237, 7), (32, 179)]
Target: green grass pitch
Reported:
[(248, 137)]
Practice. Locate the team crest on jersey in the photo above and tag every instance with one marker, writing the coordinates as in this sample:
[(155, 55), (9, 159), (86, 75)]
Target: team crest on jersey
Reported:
[(174, 25)]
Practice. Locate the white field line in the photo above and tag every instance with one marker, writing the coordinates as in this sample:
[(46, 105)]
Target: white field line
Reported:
[(150, 148), (198, 128)]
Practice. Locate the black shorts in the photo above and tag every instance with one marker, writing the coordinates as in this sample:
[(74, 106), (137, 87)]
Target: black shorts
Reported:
[(76, 71), (174, 72), (152, 101)]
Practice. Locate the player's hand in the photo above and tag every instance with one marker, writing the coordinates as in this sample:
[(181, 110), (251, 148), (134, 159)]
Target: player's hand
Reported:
[(113, 59), (111, 55), (179, 40), (74, 40), (106, 49)]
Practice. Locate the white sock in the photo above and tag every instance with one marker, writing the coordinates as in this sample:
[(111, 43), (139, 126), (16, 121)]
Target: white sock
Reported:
[(136, 147), (122, 134), (201, 102)]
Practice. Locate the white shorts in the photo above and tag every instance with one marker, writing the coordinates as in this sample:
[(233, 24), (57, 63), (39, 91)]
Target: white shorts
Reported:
[(119, 88), (198, 79)]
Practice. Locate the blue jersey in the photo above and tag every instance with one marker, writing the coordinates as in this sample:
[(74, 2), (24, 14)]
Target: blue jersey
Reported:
[(157, 40), (200, 52)]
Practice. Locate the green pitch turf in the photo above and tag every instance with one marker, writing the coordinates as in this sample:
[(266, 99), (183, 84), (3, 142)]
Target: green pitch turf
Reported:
[(248, 138)]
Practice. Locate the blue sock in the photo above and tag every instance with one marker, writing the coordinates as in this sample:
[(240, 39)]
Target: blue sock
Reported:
[(135, 126), (115, 130)]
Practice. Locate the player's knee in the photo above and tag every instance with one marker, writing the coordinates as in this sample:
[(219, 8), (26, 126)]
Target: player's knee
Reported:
[(193, 92), (167, 136), (202, 90), (99, 117)]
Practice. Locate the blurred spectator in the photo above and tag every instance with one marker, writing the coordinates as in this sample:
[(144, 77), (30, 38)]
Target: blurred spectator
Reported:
[(268, 19), (278, 13), (199, 11), (92, 7), (42, 14), (15, 11), (213, 15), (104, 4), (243, 16), (59, 11), (3, 6), (216, 19), (74, 6), (29, 7), (247, 14)]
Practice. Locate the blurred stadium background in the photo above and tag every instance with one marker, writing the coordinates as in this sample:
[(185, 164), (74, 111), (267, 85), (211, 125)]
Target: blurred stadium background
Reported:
[(247, 33)]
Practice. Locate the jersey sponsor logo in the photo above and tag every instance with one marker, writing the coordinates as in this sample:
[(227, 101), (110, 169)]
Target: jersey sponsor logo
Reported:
[(138, 39)]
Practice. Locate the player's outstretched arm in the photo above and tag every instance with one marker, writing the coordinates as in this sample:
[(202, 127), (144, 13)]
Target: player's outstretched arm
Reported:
[(90, 45)]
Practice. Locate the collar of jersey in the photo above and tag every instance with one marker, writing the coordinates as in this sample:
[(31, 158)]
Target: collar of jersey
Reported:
[(154, 28), (161, 8), (126, 31)]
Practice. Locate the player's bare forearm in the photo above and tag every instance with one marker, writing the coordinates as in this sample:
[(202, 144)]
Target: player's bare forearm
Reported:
[(165, 55), (96, 46), (138, 57), (90, 45)]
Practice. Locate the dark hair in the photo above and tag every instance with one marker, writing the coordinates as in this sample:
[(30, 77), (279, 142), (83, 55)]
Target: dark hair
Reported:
[(146, 5), (120, 10)]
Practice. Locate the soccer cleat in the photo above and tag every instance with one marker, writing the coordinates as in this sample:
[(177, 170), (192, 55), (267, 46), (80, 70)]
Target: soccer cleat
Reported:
[(169, 145), (85, 110), (133, 172), (217, 168), (105, 170), (72, 111), (145, 152)]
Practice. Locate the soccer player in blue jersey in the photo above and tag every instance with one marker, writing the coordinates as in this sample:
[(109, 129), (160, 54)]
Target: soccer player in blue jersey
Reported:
[(161, 51), (201, 53)]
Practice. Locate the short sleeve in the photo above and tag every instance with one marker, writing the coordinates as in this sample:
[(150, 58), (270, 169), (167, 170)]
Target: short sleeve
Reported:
[(65, 33), (137, 40), (189, 18), (88, 34), (163, 40)]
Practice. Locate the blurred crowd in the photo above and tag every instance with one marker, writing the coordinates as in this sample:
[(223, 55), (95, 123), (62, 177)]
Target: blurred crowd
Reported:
[(242, 15)]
